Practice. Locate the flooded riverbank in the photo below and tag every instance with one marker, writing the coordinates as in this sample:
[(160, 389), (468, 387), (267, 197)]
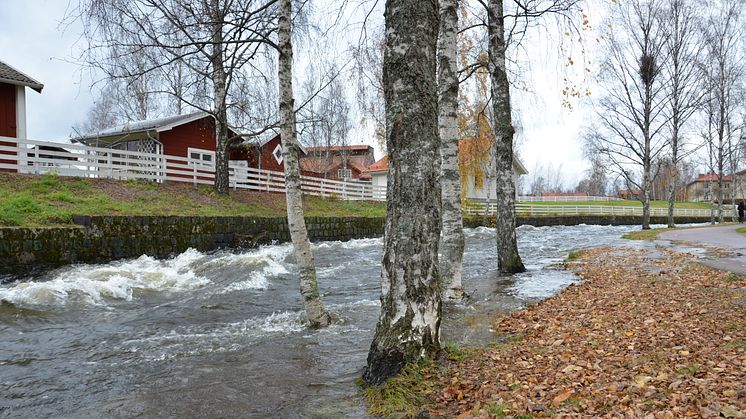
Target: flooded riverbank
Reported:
[(222, 334)]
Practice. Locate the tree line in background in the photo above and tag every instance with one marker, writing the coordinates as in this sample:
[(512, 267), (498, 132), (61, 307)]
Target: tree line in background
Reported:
[(672, 88)]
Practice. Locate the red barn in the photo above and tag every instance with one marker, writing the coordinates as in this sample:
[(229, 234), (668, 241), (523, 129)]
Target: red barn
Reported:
[(13, 85)]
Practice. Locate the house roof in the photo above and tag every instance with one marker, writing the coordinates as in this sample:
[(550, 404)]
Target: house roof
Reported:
[(139, 129), (357, 147), (381, 165), (15, 77), (706, 177), (261, 139)]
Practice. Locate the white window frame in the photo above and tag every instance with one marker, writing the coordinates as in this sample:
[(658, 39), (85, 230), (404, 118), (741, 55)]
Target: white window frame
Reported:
[(201, 160), (342, 172)]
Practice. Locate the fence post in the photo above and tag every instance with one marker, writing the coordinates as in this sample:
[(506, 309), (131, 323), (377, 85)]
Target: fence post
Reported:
[(111, 168)]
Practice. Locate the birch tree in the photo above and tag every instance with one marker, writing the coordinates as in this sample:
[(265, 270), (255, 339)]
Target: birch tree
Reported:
[(631, 135), (408, 328), (452, 234), (309, 289), (508, 259), (683, 48), (725, 61)]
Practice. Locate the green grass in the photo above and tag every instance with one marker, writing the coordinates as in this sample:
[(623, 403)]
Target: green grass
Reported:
[(51, 200), (741, 230), (575, 254), (650, 234), (402, 395), (626, 203)]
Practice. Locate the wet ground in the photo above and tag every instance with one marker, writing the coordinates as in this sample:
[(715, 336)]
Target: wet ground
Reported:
[(720, 237)]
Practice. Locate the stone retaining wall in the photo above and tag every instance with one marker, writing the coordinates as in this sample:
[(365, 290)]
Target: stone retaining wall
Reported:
[(102, 239)]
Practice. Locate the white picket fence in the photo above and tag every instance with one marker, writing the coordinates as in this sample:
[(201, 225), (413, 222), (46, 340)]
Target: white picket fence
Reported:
[(478, 208), (529, 198), (24, 156)]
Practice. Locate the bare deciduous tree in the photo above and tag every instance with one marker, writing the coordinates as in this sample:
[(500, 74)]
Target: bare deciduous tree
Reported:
[(309, 289), (631, 134), (508, 259), (683, 48), (724, 61), (452, 234)]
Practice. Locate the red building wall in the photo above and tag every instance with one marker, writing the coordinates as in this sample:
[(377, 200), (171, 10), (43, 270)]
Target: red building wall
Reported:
[(252, 156), (7, 120), (196, 134)]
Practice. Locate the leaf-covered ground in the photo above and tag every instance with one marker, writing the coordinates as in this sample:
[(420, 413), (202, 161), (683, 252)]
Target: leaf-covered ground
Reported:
[(641, 336)]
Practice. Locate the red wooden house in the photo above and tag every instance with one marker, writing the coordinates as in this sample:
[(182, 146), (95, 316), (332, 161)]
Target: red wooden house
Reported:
[(191, 137), (339, 162), (13, 85)]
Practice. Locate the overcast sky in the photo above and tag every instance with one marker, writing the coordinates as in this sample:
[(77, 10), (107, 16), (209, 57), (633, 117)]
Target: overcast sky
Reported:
[(45, 49)]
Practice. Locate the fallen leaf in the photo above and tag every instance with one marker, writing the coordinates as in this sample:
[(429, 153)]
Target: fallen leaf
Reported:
[(561, 397), (641, 380)]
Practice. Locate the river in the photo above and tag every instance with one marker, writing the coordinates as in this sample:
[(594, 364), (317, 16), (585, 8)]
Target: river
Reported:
[(221, 334)]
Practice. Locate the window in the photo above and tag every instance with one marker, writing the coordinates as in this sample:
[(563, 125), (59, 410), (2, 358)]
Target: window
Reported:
[(278, 154), (344, 173), (199, 157)]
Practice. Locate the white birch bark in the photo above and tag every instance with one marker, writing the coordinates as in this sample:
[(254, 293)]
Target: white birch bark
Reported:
[(508, 259), (452, 233), (408, 328), (315, 311), (220, 92)]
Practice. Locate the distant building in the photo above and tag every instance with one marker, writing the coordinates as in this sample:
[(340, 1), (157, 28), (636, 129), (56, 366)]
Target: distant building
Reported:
[(338, 162), (13, 84), (629, 194), (698, 190)]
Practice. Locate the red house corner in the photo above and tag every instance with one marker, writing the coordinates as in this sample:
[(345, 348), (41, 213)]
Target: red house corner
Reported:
[(13, 85)]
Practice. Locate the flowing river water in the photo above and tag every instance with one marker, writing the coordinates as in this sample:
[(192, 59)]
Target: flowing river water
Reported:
[(222, 334)]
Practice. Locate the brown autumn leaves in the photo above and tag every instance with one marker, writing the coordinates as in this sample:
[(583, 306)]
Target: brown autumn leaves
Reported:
[(644, 335)]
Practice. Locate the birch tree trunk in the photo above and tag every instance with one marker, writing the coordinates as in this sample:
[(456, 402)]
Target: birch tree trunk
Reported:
[(309, 289), (220, 92), (646, 198), (408, 328), (452, 234), (508, 259)]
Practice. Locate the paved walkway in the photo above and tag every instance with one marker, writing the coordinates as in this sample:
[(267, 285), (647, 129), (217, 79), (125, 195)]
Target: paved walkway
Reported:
[(724, 237)]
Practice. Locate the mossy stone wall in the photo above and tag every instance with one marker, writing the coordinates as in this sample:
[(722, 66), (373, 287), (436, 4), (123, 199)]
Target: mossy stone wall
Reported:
[(102, 239)]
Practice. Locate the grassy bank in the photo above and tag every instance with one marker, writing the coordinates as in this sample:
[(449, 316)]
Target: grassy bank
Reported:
[(610, 346), (52, 200)]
